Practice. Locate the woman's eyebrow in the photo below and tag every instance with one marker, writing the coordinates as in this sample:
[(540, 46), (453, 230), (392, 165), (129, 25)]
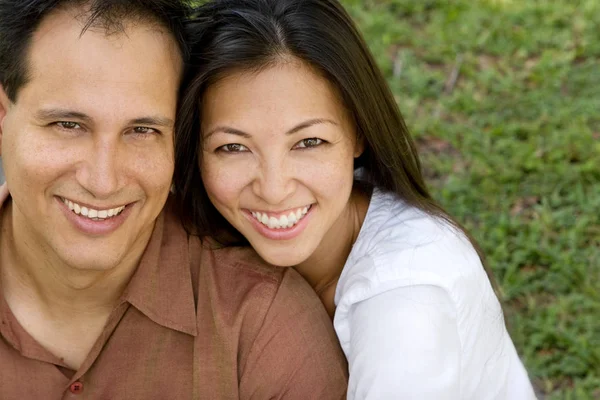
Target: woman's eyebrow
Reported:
[(308, 124), (297, 128), (228, 130)]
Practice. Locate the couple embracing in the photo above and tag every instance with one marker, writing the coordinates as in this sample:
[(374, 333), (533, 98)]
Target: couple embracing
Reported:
[(193, 197)]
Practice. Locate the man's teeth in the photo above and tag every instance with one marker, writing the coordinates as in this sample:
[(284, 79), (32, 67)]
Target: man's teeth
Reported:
[(96, 215), (285, 221)]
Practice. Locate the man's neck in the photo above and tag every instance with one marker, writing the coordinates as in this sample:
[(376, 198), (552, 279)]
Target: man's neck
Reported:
[(31, 273), (63, 308)]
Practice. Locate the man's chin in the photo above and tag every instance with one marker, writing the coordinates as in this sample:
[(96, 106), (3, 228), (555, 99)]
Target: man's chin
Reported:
[(94, 265), (86, 258)]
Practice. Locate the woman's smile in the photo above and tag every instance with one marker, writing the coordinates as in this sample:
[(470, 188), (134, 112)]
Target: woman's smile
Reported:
[(284, 226), (282, 220)]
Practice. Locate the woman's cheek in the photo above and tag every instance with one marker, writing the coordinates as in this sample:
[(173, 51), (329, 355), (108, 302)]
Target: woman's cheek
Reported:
[(331, 174), (224, 180)]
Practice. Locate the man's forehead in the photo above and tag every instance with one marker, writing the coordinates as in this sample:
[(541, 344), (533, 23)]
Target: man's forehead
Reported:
[(63, 31), (96, 74), (62, 36), (112, 20)]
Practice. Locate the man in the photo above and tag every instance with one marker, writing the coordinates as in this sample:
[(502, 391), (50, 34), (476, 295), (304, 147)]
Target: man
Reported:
[(103, 294)]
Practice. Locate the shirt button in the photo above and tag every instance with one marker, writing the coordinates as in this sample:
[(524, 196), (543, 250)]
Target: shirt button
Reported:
[(76, 387)]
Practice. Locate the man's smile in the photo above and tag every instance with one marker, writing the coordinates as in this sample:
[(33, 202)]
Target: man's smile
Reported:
[(92, 213)]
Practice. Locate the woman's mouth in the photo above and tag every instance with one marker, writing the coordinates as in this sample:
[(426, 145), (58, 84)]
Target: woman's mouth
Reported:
[(281, 220)]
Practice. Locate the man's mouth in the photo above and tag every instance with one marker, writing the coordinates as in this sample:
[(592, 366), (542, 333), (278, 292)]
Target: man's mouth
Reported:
[(93, 214), (287, 220)]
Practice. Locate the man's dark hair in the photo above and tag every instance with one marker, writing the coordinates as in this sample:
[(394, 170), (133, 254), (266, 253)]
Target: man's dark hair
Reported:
[(19, 19)]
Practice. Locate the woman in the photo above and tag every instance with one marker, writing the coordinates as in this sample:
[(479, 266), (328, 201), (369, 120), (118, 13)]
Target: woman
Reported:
[(290, 140)]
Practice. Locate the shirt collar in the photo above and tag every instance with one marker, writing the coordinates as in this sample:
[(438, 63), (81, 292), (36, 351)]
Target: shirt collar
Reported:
[(161, 287)]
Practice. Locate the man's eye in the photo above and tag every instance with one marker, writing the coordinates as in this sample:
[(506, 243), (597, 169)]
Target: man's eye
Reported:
[(310, 142), (143, 130), (232, 148), (68, 125)]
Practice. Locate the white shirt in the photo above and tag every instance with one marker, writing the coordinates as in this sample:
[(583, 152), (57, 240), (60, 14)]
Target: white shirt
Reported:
[(417, 316)]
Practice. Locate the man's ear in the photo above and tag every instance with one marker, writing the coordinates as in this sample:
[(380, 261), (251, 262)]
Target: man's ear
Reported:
[(4, 104)]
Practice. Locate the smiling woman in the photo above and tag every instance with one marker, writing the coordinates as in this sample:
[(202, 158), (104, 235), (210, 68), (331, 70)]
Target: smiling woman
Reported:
[(278, 160), (290, 140)]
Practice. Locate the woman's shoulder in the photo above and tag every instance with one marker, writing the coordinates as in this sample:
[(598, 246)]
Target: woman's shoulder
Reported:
[(399, 237), (402, 246), (416, 290), (391, 220)]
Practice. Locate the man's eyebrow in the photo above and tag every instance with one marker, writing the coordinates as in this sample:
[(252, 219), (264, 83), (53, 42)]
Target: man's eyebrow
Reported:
[(154, 121), (297, 128), (60, 114)]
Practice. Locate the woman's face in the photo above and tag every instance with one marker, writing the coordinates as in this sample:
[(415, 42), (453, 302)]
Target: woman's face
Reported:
[(278, 156)]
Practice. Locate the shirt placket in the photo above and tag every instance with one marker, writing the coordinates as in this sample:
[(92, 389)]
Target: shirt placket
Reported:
[(78, 385)]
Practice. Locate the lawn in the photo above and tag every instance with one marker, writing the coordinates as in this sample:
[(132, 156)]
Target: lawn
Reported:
[(503, 98)]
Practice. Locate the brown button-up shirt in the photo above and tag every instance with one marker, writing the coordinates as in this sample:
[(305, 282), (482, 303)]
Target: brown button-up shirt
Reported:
[(193, 323)]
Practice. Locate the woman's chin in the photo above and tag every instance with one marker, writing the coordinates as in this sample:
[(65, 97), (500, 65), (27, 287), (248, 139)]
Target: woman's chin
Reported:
[(281, 258), (281, 261)]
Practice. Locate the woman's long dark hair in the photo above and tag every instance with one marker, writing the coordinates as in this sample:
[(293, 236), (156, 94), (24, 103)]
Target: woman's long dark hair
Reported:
[(231, 36)]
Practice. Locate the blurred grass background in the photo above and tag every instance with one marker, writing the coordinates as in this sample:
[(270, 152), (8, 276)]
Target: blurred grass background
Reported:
[(503, 98)]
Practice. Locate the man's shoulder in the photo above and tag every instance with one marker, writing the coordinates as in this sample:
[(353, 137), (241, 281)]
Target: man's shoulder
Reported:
[(275, 321), (242, 260), (205, 252), (255, 317), (242, 276), (231, 273)]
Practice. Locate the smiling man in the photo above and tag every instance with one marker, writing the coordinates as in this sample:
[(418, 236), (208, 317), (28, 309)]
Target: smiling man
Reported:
[(103, 294)]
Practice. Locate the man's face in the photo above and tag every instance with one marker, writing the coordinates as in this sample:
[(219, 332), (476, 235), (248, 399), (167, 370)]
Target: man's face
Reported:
[(88, 144)]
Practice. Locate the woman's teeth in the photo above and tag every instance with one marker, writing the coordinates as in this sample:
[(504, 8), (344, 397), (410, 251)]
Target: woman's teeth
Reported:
[(285, 221), (96, 215)]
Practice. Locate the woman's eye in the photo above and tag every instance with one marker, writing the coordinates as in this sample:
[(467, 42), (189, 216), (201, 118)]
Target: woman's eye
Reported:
[(68, 125), (310, 142), (232, 148)]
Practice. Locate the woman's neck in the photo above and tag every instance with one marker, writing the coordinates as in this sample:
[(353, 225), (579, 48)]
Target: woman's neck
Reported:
[(323, 268)]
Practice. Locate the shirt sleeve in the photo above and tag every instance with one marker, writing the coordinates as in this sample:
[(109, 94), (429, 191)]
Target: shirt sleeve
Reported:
[(296, 354), (407, 346)]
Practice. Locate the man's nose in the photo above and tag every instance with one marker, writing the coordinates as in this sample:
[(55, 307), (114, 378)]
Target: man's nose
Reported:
[(100, 171)]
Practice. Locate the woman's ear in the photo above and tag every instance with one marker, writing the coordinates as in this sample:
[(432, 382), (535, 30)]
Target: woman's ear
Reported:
[(359, 146)]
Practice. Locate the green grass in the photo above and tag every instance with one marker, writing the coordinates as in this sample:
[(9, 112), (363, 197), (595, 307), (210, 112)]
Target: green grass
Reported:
[(512, 149)]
